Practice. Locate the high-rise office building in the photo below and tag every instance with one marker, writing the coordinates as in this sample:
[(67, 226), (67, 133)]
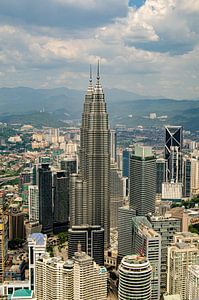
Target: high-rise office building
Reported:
[(166, 226), (37, 246), (113, 146), (94, 162), (173, 152), (195, 172), (135, 278), (147, 242), (186, 176), (125, 246), (3, 244), (160, 174), (116, 193), (79, 278), (33, 202), (193, 282), (45, 199), (126, 161), (69, 164), (16, 223), (61, 201), (91, 239), (54, 278), (143, 180), (90, 279), (180, 257)]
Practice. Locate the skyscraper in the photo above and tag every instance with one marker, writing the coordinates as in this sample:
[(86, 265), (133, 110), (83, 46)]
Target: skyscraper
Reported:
[(160, 174), (69, 164), (79, 278), (45, 199), (90, 279), (193, 282), (113, 145), (91, 239), (116, 193), (147, 242), (186, 176), (94, 162), (54, 278), (61, 201), (37, 245), (181, 255), (173, 152), (3, 244), (135, 278), (33, 202), (166, 227), (143, 180), (125, 216)]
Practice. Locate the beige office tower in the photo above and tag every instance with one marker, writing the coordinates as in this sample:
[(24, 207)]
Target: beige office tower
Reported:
[(116, 194), (195, 172), (33, 202), (193, 282), (54, 279), (77, 279), (90, 280), (147, 242), (94, 164), (180, 256), (166, 227), (3, 244)]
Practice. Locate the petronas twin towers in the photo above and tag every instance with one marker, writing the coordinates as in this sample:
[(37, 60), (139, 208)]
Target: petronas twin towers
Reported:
[(90, 189)]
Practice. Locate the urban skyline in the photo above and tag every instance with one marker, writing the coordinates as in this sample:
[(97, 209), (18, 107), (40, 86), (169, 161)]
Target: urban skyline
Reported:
[(99, 186)]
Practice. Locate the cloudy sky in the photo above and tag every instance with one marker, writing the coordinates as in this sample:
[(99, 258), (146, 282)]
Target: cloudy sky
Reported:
[(150, 47)]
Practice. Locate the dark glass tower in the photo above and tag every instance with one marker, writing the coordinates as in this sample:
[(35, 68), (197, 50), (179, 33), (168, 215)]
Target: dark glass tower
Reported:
[(69, 165), (186, 177), (91, 239), (45, 199), (173, 152), (160, 174), (143, 181), (61, 201)]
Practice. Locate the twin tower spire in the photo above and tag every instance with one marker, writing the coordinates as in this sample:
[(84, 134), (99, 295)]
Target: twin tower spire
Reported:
[(98, 88)]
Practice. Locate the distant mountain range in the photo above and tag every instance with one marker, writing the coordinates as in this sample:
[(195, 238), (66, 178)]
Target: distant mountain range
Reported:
[(25, 104)]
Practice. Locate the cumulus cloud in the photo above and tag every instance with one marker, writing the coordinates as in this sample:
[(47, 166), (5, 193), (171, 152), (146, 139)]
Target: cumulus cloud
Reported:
[(151, 49)]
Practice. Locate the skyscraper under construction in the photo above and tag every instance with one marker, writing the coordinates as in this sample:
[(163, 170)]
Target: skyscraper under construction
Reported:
[(90, 189)]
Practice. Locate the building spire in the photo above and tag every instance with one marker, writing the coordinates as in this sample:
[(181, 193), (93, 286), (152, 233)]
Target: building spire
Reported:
[(98, 87), (90, 89), (90, 80), (98, 70)]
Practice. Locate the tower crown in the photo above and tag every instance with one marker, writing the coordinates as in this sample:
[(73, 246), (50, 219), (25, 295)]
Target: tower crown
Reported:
[(90, 89)]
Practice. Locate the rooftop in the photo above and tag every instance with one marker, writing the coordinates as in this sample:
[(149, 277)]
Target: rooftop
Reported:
[(22, 293), (134, 259), (39, 238)]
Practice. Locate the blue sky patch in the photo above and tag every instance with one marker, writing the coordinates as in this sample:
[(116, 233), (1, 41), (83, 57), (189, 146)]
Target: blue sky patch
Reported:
[(136, 3)]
